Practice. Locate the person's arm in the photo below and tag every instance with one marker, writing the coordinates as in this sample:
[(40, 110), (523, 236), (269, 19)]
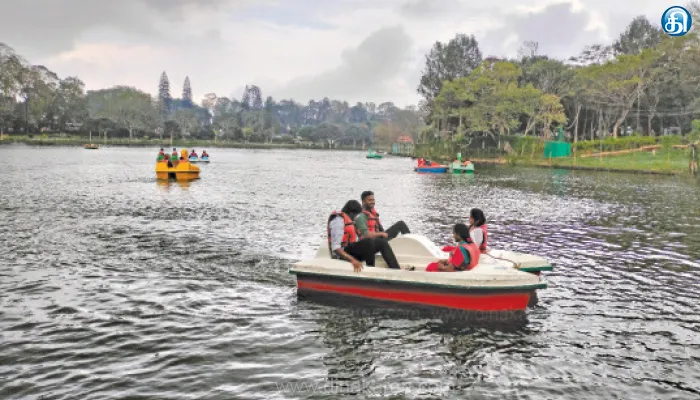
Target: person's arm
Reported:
[(361, 225), (456, 259), (337, 232)]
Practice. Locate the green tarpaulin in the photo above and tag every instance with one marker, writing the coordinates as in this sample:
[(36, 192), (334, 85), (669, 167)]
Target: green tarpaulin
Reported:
[(556, 149)]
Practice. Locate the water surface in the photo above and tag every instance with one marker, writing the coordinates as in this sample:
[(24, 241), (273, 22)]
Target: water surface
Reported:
[(113, 285)]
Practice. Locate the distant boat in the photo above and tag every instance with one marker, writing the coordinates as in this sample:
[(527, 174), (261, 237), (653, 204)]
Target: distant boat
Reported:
[(429, 166), (91, 146), (373, 154)]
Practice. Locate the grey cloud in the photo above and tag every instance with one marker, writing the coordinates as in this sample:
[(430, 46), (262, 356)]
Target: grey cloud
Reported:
[(441, 9), (39, 28), (364, 73), (559, 31), (426, 8)]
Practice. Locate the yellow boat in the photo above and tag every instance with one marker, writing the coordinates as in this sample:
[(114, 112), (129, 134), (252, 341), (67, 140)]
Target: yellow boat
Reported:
[(180, 171)]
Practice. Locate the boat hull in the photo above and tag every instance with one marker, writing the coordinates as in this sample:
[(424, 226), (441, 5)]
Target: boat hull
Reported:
[(467, 299), (461, 169), (434, 170), (183, 171)]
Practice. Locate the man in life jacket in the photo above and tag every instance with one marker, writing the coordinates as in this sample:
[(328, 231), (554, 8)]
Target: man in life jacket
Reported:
[(344, 243), (368, 224), (464, 257)]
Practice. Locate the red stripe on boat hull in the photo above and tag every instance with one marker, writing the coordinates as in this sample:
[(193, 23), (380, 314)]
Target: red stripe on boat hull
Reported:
[(497, 301)]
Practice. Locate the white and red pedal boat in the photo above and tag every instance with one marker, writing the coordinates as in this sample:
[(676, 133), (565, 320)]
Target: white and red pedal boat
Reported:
[(502, 281)]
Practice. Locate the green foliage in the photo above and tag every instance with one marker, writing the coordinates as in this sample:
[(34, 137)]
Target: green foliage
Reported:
[(490, 100), (668, 141), (613, 144)]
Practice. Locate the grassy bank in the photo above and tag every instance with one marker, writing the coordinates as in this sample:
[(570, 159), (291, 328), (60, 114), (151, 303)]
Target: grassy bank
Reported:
[(623, 154), (672, 162), (157, 143)]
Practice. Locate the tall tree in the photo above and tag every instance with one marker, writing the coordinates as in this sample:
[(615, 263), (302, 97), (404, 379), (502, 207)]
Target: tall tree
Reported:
[(456, 59), (252, 97), (187, 91), (164, 98)]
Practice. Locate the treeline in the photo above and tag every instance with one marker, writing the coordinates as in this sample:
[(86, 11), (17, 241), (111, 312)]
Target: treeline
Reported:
[(34, 99), (645, 83)]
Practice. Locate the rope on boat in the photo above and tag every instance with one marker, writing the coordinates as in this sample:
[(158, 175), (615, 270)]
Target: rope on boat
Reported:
[(515, 264)]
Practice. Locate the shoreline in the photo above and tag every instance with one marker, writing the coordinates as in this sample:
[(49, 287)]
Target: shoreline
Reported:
[(79, 142), (176, 143)]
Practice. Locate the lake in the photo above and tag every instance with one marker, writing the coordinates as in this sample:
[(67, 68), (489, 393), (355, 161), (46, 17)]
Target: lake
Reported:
[(116, 286)]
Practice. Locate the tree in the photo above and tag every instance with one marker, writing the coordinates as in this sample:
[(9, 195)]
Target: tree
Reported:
[(70, 103), (639, 35), (549, 76), (164, 98), (187, 91), (456, 59), (594, 54), (187, 120), (618, 83), (209, 102), (128, 107), (252, 98), (11, 68), (387, 132)]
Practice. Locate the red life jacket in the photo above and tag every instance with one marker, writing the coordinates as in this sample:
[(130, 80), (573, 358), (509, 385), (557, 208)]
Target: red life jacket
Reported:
[(373, 224), (482, 246), (349, 234), (470, 250)]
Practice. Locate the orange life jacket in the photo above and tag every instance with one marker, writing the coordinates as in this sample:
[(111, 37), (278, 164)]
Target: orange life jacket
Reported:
[(349, 234), (373, 224), (470, 250), (483, 245)]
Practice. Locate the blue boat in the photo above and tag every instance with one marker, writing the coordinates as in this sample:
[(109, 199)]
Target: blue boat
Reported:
[(204, 159), (193, 159), (428, 166)]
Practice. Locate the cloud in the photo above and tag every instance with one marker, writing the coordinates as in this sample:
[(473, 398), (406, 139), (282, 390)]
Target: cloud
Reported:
[(39, 27), (354, 50), (559, 29), (366, 72)]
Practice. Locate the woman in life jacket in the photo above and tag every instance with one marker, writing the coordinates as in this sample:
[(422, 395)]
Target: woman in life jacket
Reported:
[(464, 257), (478, 232)]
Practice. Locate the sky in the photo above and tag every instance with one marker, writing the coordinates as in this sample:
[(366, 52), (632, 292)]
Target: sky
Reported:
[(349, 50)]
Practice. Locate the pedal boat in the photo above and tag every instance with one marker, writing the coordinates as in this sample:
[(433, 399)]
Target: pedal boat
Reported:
[(493, 285), (180, 171)]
